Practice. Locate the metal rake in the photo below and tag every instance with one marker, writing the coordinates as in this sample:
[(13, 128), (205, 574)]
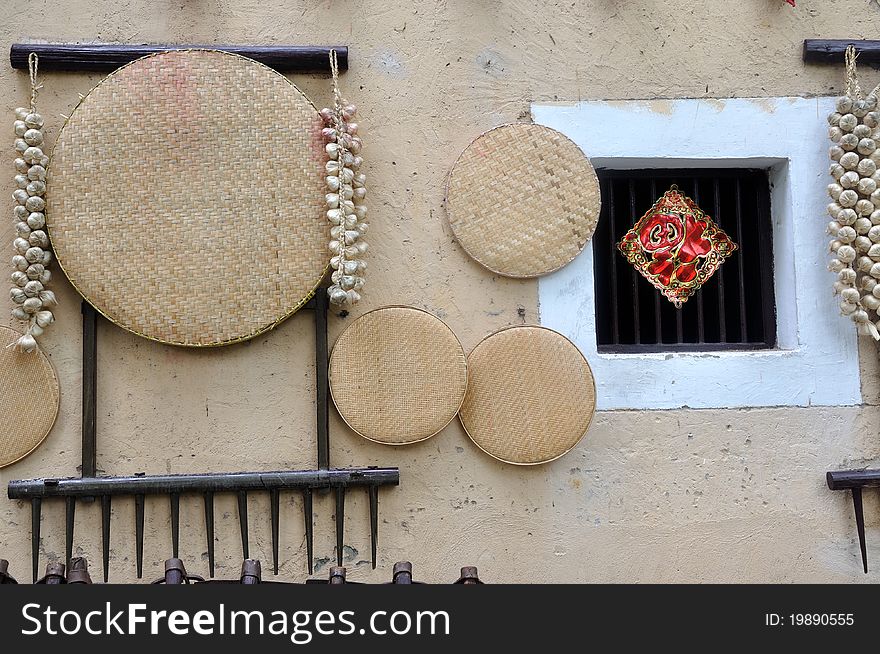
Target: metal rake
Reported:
[(91, 486)]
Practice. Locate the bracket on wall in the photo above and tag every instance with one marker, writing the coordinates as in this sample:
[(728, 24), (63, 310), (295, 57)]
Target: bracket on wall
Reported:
[(855, 481), (833, 51), (110, 56)]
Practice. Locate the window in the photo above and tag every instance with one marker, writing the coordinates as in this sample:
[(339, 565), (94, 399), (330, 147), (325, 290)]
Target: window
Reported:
[(735, 309), (812, 358)]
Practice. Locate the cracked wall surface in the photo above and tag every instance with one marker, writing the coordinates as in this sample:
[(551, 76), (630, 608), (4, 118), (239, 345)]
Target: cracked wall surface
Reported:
[(679, 495)]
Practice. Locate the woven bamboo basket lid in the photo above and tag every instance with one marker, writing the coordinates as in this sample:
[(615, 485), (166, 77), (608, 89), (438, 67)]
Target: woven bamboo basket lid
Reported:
[(30, 396), (185, 198), (530, 397), (397, 375), (523, 200)]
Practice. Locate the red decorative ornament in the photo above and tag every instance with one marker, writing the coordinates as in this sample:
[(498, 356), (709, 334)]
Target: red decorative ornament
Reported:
[(791, 2), (676, 246)]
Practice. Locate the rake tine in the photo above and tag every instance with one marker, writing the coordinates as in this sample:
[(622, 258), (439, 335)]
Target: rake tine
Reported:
[(310, 527), (243, 522), (70, 515), (175, 523), (209, 528), (275, 501), (340, 522), (139, 533), (105, 533), (36, 508), (860, 524), (374, 521)]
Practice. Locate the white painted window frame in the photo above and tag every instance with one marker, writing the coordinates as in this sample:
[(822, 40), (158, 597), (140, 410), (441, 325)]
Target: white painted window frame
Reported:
[(816, 360)]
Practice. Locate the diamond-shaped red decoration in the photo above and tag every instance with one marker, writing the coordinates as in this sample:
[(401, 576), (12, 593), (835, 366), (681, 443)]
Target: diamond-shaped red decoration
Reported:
[(676, 246)]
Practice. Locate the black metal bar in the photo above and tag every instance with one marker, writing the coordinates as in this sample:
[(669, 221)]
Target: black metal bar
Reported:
[(35, 535), (109, 56), (308, 516), (275, 511), (340, 522), (69, 519), (175, 524), (322, 383), (374, 522), (743, 324), (722, 314), (615, 318), (634, 272), (139, 533), (698, 296), (209, 528), (658, 322), (217, 482), (832, 51), (89, 389), (860, 524), (105, 534), (243, 523)]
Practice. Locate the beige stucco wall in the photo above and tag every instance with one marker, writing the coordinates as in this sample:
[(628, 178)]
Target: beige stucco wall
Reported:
[(734, 495)]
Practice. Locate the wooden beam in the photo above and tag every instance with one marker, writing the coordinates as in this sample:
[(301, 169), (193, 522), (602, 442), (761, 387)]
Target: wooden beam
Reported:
[(110, 56), (832, 51)]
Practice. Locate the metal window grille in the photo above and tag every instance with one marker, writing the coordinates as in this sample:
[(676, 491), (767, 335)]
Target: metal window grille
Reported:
[(734, 310)]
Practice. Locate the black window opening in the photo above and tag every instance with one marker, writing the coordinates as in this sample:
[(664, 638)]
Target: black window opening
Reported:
[(734, 310)]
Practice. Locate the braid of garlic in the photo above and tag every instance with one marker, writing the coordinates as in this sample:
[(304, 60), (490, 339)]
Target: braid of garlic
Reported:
[(32, 256), (346, 210)]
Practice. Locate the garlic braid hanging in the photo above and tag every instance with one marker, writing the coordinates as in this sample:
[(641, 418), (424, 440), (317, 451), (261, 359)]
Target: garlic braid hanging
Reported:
[(31, 244), (346, 211)]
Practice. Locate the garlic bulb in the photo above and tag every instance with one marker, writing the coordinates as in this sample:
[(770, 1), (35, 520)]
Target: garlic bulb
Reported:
[(30, 277), (344, 200)]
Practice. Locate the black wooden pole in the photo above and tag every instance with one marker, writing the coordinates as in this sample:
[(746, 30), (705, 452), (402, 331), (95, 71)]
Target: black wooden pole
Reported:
[(89, 390), (833, 51), (110, 56)]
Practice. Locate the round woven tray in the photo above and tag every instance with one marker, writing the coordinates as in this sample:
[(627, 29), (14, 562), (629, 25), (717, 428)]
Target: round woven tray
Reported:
[(397, 375), (185, 198), (29, 393), (530, 396), (523, 200)]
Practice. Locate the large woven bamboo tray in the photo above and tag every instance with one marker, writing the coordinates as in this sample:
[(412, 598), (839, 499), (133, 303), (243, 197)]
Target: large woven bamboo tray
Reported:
[(185, 198)]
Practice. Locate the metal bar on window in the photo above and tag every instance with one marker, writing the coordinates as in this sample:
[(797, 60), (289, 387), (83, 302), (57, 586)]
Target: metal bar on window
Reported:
[(698, 296), (743, 325), (658, 322), (635, 274), (722, 324), (615, 318)]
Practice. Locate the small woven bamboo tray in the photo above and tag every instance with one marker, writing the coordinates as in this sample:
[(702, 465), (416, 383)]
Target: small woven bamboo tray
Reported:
[(30, 396), (185, 198), (398, 375), (523, 200), (530, 397)]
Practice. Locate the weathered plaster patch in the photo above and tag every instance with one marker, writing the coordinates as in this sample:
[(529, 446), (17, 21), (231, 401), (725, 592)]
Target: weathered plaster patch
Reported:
[(390, 64)]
